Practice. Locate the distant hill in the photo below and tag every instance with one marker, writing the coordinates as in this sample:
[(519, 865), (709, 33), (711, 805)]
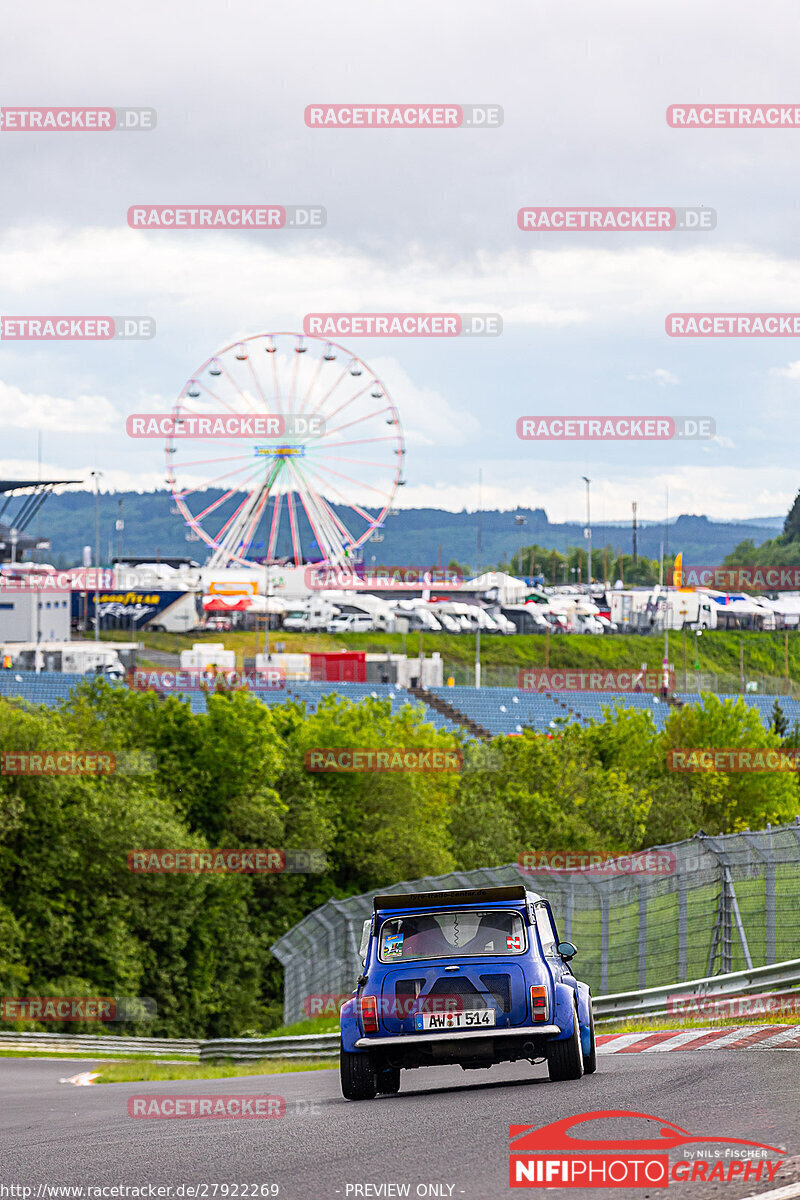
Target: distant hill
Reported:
[(416, 537)]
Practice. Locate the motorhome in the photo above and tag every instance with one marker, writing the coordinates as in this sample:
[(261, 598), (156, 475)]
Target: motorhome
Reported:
[(526, 618), (380, 613), (309, 616), (663, 608), (419, 616), (351, 621)]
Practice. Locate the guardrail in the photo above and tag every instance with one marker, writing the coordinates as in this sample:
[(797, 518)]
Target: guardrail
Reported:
[(314, 1046), (648, 1002), (92, 1044)]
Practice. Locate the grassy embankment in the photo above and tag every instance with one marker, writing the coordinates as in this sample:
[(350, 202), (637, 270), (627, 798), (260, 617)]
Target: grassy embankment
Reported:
[(715, 653)]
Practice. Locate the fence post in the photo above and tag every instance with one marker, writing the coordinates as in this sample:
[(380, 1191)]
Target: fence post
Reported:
[(768, 862), (683, 965), (769, 911), (642, 965), (604, 941), (569, 908)]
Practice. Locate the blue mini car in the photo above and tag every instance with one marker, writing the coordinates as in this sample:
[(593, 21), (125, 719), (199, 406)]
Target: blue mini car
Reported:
[(474, 977)]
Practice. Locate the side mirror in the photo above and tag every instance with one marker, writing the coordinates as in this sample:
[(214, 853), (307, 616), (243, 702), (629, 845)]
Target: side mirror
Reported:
[(567, 950)]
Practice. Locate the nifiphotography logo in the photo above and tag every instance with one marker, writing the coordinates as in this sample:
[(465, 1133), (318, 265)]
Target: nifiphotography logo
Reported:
[(552, 1157)]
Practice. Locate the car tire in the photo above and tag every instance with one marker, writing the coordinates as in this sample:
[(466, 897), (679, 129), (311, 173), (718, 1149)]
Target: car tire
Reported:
[(358, 1076), (389, 1081), (590, 1059), (565, 1057)]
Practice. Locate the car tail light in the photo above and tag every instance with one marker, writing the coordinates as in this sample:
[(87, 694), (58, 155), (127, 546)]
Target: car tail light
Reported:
[(539, 1003), (369, 1013)]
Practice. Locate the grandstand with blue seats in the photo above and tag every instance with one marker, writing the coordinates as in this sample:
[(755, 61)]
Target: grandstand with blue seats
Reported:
[(47, 687), (498, 710)]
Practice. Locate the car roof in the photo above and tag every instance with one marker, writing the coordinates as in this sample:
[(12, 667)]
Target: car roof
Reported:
[(515, 893)]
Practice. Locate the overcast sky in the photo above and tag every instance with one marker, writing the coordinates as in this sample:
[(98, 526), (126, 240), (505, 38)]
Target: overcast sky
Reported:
[(417, 221)]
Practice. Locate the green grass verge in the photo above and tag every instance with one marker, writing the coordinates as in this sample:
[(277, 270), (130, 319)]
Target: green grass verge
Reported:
[(654, 1024), (317, 1025), (152, 1071)]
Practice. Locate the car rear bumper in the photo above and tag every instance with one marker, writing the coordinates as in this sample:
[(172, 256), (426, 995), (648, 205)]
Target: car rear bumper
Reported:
[(407, 1039)]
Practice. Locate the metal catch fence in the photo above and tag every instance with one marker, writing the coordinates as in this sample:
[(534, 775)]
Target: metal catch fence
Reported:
[(720, 904)]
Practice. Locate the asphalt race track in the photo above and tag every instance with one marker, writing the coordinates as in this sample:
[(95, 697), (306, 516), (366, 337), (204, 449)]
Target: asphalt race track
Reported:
[(446, 1128)]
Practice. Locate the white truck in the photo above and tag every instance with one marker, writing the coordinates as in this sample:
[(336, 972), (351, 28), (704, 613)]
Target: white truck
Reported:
[(663, 608)]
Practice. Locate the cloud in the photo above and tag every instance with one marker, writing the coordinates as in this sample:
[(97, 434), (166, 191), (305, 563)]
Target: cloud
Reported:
[(56, 414), (428, 417), (791, 371), (218, 279), (731, 493), (659, 375)]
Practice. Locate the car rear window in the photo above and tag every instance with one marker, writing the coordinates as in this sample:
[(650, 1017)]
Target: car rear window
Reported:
[(451, 935)]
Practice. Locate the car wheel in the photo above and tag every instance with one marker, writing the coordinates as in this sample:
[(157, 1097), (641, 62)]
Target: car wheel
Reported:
[(389, 1081), (358, 1075), (590, 1059), (565, 1057)]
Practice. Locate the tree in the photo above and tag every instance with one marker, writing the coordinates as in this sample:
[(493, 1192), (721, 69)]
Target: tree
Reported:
[(791, 526), (778, 722)]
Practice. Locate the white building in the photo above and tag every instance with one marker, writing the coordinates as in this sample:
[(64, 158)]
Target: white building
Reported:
[(43, 616)]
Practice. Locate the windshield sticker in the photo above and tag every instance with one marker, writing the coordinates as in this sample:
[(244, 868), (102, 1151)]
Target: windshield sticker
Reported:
[(393, 944), (514, 942)]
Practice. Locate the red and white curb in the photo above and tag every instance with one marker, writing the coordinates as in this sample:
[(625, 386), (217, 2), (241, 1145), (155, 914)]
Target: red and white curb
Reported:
[(82, 1079), (743, 1037)]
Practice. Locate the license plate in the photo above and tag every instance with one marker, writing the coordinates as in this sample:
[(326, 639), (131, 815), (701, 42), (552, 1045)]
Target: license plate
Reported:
[(472, 1019)]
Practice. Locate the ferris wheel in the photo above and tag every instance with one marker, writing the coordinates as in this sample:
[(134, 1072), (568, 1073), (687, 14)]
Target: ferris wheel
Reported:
[(315, 494)]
